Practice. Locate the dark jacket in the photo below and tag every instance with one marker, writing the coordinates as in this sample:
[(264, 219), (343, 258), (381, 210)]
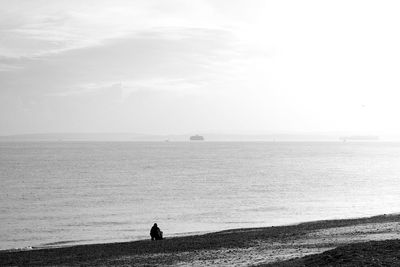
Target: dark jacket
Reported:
[(154, 232)]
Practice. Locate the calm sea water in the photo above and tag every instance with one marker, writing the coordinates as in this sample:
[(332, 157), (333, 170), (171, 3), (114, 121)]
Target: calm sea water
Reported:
[(64, 193)]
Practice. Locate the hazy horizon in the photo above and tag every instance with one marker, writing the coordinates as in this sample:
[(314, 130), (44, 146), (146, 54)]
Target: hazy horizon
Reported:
[(162, 67), (214, 137)]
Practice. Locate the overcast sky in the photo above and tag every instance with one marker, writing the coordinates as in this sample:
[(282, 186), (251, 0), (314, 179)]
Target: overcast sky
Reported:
[(180, 66)]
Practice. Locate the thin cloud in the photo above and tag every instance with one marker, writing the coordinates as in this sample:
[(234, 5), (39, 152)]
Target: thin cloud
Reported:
[(7, 67), (57, 26), (154, 55)]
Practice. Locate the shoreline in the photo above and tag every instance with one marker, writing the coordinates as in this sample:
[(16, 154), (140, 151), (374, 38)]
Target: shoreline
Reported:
[(242, 247), (74, 243)]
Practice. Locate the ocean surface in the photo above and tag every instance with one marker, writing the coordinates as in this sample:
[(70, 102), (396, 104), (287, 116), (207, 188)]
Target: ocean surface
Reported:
[(67, 193)]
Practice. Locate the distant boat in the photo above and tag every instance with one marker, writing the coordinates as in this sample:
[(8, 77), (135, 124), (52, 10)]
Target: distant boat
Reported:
[(196, 138)]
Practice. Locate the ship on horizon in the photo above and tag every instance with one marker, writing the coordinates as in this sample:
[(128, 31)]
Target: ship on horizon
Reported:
[(196, 138)]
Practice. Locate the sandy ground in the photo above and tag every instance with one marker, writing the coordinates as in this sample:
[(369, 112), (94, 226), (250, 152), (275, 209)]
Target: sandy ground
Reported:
[(240, 247)]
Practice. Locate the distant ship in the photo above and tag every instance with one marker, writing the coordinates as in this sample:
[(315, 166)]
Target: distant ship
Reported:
[(196, 138)]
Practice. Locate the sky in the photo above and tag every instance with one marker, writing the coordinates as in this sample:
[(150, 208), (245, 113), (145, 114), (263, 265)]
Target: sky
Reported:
[(215, 66)]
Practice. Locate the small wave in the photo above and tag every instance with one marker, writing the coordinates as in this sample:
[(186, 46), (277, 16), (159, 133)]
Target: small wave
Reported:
[(63, 243), (190, 233), (59, 243), (17, 249)]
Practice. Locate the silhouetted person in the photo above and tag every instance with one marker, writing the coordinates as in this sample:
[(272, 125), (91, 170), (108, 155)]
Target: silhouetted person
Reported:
[(156, 233)]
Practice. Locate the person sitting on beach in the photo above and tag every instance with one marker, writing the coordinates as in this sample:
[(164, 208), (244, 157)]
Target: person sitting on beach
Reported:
[(156, 233)]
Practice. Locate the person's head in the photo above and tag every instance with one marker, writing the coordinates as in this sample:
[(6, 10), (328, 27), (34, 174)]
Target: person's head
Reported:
[(155, 225)]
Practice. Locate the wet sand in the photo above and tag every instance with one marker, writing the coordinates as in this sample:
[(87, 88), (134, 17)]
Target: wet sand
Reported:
[(270, 246)]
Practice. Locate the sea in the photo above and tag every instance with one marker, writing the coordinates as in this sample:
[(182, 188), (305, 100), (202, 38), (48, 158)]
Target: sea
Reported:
[(55, 194)]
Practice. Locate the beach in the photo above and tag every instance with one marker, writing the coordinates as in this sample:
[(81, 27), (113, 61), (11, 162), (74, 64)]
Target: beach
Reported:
[(270, 246), (243, 133)]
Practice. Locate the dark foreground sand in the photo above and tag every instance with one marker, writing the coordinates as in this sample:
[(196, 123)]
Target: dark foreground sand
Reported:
[(354, 242)]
